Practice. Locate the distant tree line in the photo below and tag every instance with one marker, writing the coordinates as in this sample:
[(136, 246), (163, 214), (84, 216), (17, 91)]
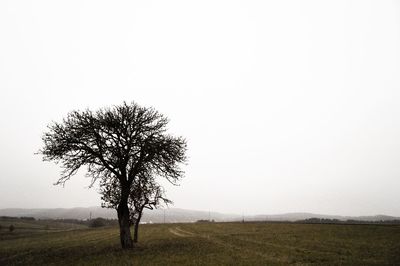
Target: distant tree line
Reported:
[(205, 221), (96, 222), (350, 221), (13, 218)]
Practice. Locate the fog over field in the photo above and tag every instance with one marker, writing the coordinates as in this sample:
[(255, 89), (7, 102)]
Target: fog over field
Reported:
[(286, 106)]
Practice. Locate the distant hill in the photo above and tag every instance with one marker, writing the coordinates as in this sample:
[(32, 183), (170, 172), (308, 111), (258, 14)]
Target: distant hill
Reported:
[(170, 215), (174, 215), (303, 216)]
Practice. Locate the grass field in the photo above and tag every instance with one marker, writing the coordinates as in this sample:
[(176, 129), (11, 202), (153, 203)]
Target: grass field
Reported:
[(203, 244)]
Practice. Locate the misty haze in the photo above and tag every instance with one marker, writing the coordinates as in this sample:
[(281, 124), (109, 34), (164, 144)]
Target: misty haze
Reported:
[(212, 132)]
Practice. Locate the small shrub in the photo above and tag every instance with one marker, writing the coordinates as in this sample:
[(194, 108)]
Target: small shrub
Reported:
[(98, 222), (11, 228), (27, 218), (205, 221)]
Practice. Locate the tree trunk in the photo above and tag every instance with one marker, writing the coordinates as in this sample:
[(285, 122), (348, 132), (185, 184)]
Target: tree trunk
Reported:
[(136, 232), (124, 229)]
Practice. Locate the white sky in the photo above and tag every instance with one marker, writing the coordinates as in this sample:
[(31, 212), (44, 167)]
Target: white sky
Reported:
[(287, 106)]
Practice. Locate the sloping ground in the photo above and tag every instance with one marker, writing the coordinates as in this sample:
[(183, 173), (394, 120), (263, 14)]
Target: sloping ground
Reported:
[(24, 228), (212, 244)]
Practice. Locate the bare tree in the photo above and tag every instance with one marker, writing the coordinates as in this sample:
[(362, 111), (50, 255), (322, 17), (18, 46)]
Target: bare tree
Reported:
[(120, 143), (148, 195), (145, 194)]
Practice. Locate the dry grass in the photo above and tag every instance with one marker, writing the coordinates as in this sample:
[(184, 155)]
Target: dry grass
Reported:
[(208, 244)]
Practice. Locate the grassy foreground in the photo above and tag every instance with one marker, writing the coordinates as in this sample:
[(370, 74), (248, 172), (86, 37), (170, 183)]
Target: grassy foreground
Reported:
[(205, 244)]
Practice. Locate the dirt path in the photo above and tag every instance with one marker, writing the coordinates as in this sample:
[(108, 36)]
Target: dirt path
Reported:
[(180, 232)]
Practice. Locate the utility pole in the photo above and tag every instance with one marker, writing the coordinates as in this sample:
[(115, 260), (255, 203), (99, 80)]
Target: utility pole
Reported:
[(90, 216)]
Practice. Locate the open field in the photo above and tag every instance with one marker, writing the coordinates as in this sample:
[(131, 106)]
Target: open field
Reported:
[(205, 244), (29, 228)]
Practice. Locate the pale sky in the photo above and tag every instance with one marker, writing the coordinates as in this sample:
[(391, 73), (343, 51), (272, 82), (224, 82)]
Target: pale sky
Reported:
[(287, 106)]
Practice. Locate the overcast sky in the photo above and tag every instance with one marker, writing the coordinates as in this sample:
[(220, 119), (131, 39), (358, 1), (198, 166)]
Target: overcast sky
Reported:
[(287, 106)]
